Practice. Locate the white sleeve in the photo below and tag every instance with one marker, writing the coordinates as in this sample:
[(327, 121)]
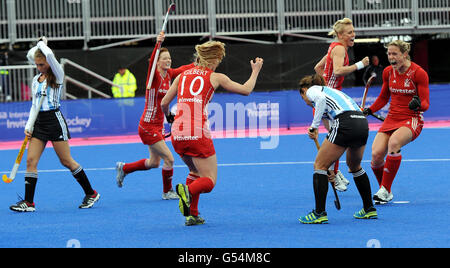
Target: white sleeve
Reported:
[(30, 55), (316, 95), (31, 118), (51, 59)]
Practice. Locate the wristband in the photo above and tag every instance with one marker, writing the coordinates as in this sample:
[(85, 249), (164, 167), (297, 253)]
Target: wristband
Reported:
[(359, 65)]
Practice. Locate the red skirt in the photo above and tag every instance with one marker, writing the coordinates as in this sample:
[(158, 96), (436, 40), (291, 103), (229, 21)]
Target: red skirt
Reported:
[(414, 123), (151, 134)]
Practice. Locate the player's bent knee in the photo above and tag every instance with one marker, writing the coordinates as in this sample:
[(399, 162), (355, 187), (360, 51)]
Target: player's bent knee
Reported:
[(354, 168), (169, 161), (69, 163), (150, 163), (377, 156), (321, 166)]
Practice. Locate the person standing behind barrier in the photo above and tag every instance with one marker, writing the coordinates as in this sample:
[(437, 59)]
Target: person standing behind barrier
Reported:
[(334, 66), (348, 134), (125, 79), (375, 68), (406, 85), (50, 125), (191, 137), (151, 124)]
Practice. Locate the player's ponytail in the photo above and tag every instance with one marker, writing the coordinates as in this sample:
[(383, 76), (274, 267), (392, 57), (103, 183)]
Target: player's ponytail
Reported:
[(210, 53)]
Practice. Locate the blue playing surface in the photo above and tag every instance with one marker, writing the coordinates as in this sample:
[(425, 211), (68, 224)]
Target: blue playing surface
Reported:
[(256, 203)]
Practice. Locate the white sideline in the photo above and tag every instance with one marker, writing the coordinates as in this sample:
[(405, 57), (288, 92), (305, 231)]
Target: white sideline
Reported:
[(242, 164)]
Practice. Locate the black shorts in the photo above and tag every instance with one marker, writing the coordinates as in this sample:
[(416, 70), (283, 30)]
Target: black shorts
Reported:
[(51, 126), (349, 129)]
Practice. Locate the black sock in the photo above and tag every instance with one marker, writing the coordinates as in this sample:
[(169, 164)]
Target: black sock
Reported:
[(82, 179), (363, 184), (320, 182), (30, 186)]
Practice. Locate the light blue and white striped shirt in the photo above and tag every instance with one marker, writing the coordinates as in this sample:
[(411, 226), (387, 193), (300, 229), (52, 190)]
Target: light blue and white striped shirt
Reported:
[(53, 95), (329, 102), (51, 101)]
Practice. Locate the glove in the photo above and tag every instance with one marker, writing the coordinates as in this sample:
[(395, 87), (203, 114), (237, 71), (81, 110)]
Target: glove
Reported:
[(414, 104), (170, 118), (367, 112)]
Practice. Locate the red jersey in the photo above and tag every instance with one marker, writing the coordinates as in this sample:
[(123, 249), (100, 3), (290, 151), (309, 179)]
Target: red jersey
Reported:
[(153, 114), (194, 93), (400, 88), (330, 78)]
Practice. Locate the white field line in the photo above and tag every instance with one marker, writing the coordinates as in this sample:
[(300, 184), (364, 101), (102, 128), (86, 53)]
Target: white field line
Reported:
[(240, 164)]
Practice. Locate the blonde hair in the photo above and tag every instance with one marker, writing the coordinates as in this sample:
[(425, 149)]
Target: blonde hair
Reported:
[(208, 53), (50, 76), (339, 25), (402, 46), (311, 80)]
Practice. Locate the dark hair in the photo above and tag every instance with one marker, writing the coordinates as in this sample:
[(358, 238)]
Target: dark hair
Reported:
[(311, 80)]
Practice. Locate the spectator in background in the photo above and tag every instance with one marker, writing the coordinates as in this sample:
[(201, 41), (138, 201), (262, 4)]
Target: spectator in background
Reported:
[(374, 68), (125, 79)]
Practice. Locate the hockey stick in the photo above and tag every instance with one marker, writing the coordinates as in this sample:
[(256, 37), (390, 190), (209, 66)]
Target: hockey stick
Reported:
[(377, 116), (158, 46), (366, 90), (337, 203), (13, 173)]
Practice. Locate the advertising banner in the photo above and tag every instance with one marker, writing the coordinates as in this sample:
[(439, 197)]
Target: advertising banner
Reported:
[(258, 113)]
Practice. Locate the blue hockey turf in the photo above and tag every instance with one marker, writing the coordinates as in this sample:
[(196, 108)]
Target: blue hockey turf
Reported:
[(256, 203)]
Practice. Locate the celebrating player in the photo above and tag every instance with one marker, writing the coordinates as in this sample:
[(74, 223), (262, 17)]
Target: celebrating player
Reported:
[(191, 137), (51, 126), (406, 84), (151, 124), (334, 66), (348, 133)]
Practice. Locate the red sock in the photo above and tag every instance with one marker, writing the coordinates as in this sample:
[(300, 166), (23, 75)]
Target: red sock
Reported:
[(194, 201), (378, 171), (191, 178), (390, 170), (132, 167), (336, 166), (167, 179), (201, 185)]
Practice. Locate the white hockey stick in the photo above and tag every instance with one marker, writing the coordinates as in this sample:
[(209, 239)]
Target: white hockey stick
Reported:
[(24, 145), (158, 46)]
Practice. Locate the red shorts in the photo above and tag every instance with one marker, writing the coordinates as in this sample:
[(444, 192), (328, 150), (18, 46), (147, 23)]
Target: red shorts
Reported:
[(151, 134), (202, 147), (414, 123)]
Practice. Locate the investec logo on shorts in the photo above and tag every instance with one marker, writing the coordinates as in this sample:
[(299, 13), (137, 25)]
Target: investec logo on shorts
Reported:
[(254, 120)]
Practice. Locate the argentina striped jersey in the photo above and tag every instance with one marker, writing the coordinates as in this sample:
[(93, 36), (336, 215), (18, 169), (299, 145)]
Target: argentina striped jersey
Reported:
[(52, 100), (329, 102)]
